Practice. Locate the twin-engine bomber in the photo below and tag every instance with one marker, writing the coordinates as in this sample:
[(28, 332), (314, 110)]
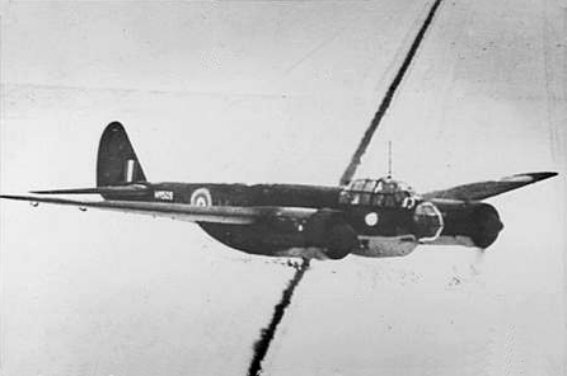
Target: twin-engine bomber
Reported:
[(367, 217)]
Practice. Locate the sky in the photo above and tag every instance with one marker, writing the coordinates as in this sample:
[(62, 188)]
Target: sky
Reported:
[(279, 92)]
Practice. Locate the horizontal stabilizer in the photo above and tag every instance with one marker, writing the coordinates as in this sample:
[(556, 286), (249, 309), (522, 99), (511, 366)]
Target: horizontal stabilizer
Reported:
[(131, 190), (485, 189)]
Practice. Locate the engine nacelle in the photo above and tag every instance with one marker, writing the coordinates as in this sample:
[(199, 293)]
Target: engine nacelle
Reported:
[(327, 229), (486, 225), (477, 222)]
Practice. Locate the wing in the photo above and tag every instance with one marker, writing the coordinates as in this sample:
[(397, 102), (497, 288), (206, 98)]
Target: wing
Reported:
[(212, 214), (485, 189)]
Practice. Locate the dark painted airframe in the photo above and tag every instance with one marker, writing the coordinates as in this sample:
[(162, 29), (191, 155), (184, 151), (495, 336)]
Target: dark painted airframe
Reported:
[(366, 217)]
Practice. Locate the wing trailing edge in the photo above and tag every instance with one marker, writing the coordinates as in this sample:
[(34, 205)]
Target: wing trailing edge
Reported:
[(235, 215)]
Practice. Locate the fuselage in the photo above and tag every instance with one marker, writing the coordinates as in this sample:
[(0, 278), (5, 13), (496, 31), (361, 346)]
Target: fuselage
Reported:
[(343, 221)]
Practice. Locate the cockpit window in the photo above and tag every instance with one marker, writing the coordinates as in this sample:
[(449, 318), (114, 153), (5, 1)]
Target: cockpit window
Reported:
[(365, 198), (357, 186), (379, 186), (369, 186), (389, 202), (400, 195), (384, 192), (378, 199)]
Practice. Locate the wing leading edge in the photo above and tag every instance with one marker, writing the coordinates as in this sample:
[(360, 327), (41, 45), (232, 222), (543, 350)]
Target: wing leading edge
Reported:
[(235, 215), (486, 189)]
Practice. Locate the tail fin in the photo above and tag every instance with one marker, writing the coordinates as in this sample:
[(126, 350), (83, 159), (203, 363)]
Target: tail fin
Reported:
[(117, 163)]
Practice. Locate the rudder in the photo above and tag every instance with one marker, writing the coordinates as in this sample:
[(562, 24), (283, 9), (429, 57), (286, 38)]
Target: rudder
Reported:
[(117, 163)]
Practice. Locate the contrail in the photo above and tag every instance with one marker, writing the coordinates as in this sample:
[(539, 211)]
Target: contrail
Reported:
[(267, 334), (387, 99)]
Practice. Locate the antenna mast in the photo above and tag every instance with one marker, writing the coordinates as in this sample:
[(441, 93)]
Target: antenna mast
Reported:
[(389, 159)]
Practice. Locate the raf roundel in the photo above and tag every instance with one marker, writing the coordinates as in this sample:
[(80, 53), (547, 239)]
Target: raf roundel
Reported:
[(201, 197), (371, 219)]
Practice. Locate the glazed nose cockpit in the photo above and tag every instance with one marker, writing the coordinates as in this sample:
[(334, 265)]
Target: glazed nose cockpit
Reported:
[(391, 197)]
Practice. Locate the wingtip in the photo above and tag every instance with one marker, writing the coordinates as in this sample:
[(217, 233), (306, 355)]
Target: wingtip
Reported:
[(531, 177), (537, 176), (12, 197)]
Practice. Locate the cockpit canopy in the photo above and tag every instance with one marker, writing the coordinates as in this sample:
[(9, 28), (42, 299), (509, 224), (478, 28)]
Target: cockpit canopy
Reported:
[(383, 192)]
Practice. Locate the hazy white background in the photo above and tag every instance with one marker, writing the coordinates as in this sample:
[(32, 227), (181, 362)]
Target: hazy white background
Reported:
[(279, 92)]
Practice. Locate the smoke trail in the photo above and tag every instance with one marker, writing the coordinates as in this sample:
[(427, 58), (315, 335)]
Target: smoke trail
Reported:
[(387, 99), (267, 334)]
